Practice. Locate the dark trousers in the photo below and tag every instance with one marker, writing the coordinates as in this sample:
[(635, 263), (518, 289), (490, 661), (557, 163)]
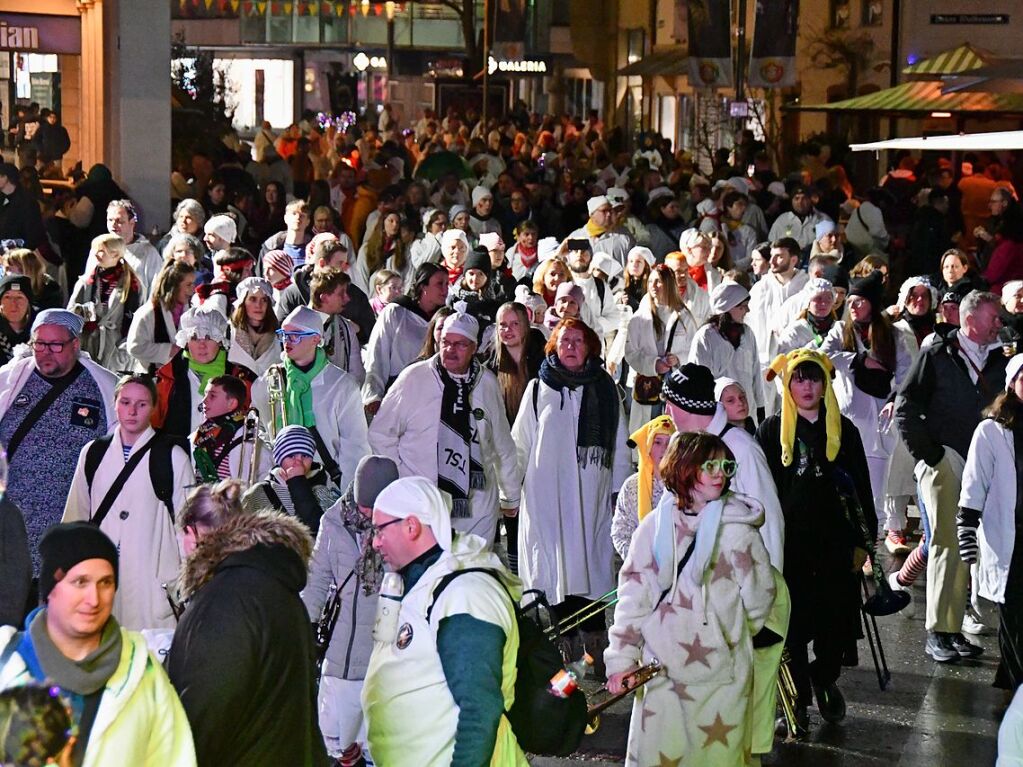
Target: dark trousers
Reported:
[(824, 612)]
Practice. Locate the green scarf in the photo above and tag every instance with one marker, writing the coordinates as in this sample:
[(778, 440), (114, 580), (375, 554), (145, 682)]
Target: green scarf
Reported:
[(208, 370), (299, 399)]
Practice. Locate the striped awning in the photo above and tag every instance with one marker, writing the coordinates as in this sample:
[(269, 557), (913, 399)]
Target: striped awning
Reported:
[(953, 62), (922, 97)]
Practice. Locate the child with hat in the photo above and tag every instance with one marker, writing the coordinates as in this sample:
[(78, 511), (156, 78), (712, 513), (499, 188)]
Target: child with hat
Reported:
[(816, 458)]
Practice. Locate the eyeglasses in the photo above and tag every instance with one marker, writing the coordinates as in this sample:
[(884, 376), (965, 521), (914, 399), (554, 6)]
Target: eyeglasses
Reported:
[(724, 466), (294, 337), (55, 347), (374, 530)]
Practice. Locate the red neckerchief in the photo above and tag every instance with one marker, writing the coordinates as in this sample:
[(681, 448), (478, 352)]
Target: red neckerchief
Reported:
[(699, 275), (528, 258), (454, 275)]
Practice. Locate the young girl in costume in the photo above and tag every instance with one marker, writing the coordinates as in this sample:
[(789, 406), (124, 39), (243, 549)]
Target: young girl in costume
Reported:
[(695, 588)]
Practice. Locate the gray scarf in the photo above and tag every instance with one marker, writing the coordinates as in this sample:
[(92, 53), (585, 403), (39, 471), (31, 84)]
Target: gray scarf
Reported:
[(84, 676)]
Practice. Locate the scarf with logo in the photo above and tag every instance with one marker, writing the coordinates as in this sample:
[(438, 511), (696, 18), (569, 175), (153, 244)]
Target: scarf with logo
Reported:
[(598, 414), (459, 469)]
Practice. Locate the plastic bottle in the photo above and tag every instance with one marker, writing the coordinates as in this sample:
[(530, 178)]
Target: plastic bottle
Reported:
[(385, 627)]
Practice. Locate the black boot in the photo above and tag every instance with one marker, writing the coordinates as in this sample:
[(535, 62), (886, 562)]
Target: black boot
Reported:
[(830, 702)]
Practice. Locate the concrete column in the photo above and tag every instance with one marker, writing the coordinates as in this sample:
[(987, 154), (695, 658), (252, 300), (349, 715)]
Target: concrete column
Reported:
[(137, 101), (92, 84)]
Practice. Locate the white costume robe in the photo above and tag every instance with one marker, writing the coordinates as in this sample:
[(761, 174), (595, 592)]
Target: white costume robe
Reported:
[(565, 518)]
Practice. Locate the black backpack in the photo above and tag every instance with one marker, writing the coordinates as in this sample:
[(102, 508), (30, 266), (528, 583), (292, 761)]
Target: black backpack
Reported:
[(161, 467), (543, 723)]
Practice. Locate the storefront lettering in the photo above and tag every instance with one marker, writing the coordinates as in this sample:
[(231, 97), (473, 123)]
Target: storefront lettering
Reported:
[(18, 38), (530, 66)]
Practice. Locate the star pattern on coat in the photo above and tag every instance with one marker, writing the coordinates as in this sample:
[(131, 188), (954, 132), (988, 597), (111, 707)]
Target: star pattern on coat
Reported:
[(663, 610), (744, 560), (667, 761), (683, 601), (630, 635), (723, 570), (681, 690), (696, 651), (629, 574), (645, 714), (717, 731)]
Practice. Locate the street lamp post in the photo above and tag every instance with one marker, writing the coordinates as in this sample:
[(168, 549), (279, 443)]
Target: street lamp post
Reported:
[(389, 11)]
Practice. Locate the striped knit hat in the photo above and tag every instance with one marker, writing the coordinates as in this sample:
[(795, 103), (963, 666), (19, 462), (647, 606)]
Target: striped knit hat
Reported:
[(293, 440), (280, 261)]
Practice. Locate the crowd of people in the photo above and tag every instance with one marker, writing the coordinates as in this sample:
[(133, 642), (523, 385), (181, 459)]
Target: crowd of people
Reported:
[(249, 457)]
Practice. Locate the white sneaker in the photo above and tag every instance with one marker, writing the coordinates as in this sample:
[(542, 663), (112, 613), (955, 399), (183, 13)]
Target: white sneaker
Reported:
[(972, 625), (909, 610)]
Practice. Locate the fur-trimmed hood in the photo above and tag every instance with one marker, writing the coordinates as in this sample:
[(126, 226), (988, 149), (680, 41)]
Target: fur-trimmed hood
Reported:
[(240, 534)]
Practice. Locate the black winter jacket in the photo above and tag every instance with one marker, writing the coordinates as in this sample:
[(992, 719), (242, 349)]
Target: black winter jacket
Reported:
[(242, 659), (938, 404)]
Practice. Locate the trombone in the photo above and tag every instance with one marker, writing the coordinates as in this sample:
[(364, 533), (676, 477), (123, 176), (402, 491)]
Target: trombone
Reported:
[(632, 682), (251, 447), (788, 696), (276, 387), (579, 617)]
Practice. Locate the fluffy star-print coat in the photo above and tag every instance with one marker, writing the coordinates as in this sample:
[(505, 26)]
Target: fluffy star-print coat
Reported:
[(698, 711)]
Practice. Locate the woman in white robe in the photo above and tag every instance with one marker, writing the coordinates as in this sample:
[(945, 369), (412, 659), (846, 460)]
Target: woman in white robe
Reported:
[(655, 347), (869, 366), (727, 346), (570, 436)]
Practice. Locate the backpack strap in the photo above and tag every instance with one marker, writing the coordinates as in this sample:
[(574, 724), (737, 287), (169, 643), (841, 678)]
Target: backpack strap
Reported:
[(446, 580), (118, 484), (40, 409), (161, 467), (333, 470), (94, 457), (160, 332), (678, 570), (536, 397)]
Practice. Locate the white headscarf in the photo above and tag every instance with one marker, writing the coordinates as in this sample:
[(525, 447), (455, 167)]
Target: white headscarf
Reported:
[(421, 498)]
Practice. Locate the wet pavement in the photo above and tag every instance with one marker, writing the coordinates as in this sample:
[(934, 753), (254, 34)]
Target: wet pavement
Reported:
[(931, 715)]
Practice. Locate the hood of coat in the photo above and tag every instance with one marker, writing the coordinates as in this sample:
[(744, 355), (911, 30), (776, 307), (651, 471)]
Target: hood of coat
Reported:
[(264, 540), (744, 510)]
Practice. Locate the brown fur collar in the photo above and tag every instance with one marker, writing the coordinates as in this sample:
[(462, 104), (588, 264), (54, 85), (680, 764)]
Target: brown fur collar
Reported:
[(240, 534)]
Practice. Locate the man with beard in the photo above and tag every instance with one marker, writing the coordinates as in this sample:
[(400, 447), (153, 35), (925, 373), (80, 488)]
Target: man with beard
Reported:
[(600, 310)]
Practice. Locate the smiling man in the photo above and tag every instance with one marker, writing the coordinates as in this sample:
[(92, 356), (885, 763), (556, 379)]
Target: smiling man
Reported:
[(52, 403), (444, 419), (122, 704)]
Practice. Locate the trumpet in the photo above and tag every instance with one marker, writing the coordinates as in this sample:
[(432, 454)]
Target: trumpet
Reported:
[(251, 446), (276, 386), (788, 696), (632, 682)]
